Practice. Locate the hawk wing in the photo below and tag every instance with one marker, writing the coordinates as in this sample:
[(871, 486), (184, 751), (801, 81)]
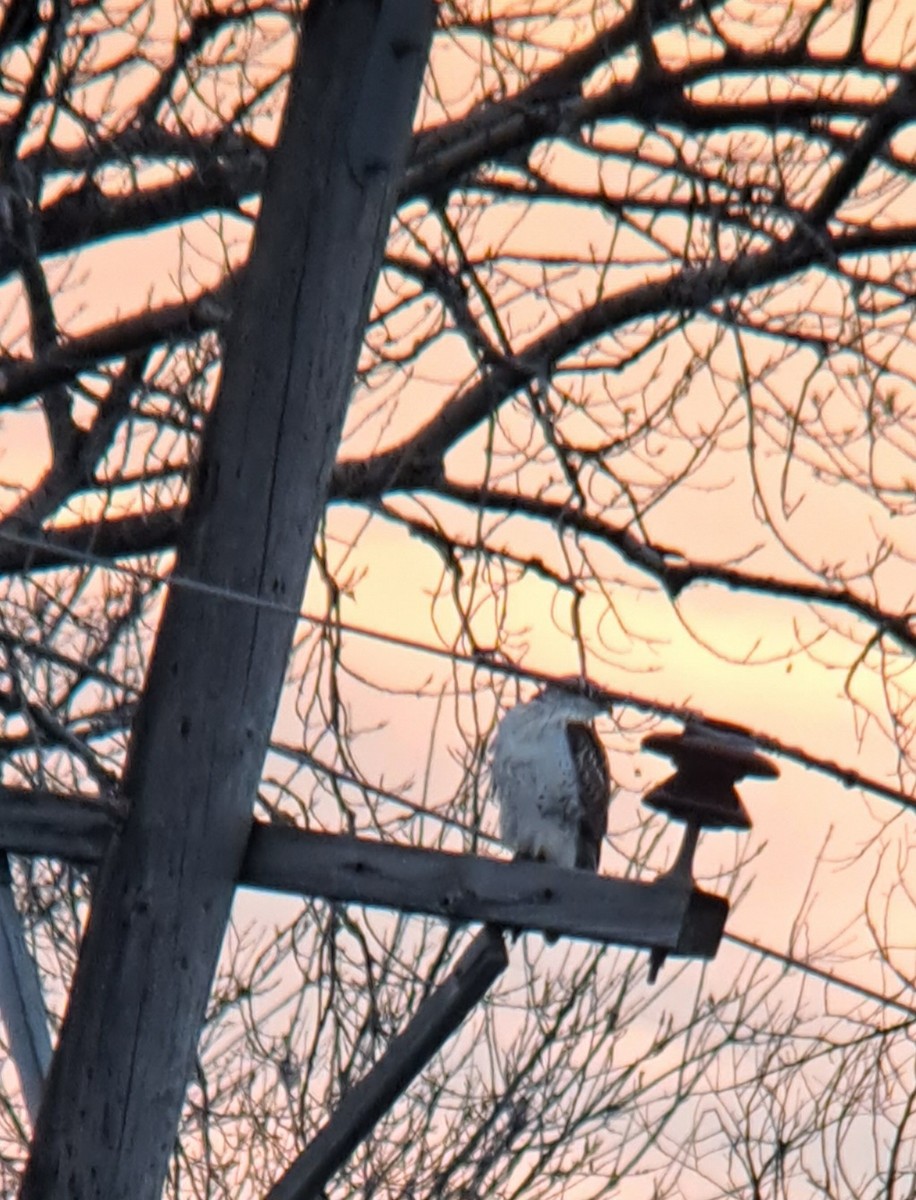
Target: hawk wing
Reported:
[(594, 788)]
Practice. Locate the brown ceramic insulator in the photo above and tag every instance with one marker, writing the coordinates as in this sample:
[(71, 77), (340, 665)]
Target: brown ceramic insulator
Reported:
[(709, 763)]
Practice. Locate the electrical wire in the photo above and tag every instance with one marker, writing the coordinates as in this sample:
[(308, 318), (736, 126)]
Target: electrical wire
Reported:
[(478, 660)]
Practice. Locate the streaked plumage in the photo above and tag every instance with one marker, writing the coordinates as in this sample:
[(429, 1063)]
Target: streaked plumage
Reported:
[(552, 782)]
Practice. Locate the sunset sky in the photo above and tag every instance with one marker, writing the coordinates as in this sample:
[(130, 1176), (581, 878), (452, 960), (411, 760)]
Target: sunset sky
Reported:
[(765, 437)]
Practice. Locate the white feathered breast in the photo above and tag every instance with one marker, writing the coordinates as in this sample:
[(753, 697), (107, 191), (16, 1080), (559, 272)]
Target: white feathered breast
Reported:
[(548, 809)]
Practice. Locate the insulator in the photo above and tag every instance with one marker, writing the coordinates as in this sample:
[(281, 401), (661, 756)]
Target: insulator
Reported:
[(709, 760), (705, 802)]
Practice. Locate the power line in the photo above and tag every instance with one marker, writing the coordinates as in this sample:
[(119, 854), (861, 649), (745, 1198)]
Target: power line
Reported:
[(173, 579), (849, 985), (86, 558), (479, 660)]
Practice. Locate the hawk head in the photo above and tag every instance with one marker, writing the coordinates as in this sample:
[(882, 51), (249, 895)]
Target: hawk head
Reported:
[(571, 699)]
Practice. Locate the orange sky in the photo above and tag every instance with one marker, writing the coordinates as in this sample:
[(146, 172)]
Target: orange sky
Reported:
[(763, 662)]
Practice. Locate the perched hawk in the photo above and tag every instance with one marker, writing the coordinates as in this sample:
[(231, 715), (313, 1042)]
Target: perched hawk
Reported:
[(551, 778)]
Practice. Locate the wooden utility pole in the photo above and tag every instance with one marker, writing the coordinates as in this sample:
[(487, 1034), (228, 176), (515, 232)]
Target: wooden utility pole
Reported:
[(366, 1102), (21, 1002), (113, 1099)]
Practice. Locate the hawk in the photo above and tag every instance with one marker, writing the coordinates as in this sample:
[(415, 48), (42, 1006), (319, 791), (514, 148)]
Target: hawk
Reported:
[(551, 778)]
